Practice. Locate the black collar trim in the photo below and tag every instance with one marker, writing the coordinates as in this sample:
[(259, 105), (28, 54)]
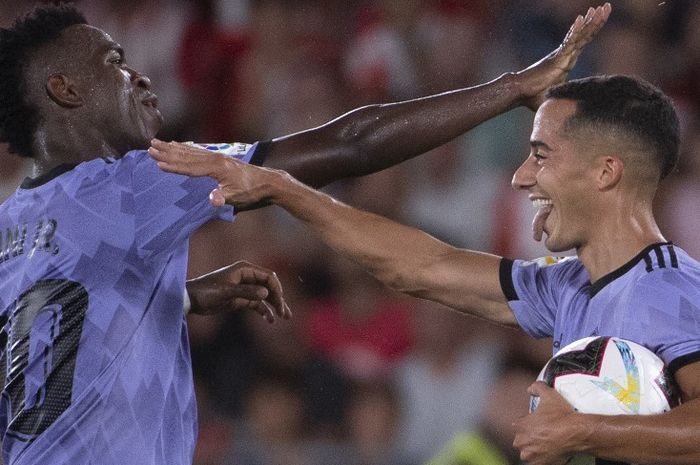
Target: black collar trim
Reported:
[(31, 183), (613, 275)]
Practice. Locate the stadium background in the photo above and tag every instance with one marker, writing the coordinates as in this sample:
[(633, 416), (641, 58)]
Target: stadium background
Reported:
[(361, 375)]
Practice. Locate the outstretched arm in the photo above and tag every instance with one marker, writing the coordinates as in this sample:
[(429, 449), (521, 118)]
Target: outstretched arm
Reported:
[(404, 258), (375, 137)]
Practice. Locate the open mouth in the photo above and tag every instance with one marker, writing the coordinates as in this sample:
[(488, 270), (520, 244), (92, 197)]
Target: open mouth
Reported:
[(544, 208), (541, 203), (150, 101)]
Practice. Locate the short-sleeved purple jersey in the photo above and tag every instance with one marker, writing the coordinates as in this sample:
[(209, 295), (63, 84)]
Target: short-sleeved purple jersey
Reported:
[(653, 300), (95, 356)]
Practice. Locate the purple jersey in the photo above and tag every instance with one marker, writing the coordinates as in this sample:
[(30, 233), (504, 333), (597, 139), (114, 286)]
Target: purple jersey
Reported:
[(653, 300), (95, 356)]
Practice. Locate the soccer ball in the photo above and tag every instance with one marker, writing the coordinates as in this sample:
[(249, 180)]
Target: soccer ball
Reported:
[(609, 376)]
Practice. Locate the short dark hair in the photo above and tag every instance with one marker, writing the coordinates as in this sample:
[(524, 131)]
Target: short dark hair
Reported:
[(18, 117), (629, 104)]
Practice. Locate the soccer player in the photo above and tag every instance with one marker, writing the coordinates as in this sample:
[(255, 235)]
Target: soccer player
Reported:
[(94, 245), (599, 148)]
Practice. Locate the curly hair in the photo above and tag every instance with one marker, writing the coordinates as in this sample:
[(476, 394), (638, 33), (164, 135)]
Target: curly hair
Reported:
[(18, 117), (629, 104)]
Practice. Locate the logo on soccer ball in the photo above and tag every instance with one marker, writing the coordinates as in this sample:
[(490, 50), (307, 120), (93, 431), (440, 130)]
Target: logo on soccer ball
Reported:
[(628, 396)]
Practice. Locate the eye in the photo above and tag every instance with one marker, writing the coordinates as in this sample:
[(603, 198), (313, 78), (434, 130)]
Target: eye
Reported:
[(116, 58), (539, 157)]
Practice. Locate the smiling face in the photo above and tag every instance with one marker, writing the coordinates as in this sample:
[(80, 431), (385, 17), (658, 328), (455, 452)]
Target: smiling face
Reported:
[(117, 102), (559, 177)]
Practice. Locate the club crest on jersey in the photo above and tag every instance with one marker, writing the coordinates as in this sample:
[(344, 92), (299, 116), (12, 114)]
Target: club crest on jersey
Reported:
[(550, 260), (234, 149)]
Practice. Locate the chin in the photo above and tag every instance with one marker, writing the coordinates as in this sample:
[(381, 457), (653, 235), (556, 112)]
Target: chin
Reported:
[(150, 126), (554, 245)]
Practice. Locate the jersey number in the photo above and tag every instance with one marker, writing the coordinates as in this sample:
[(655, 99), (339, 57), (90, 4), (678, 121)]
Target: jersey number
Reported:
[(41, 347)]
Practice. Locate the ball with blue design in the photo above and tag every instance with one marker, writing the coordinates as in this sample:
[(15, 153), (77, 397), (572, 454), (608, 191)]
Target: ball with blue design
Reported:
[(609, 376)]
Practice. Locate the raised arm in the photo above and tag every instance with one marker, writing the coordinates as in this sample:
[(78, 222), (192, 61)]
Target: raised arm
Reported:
[(375, 137), (403, 258)]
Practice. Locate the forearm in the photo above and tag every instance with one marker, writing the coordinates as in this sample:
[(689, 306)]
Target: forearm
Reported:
[(670, 438), (403, 258), (375, 137), (376, 243)]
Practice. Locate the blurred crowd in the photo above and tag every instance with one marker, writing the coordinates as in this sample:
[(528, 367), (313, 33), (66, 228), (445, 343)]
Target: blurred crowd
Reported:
[(361, 375)]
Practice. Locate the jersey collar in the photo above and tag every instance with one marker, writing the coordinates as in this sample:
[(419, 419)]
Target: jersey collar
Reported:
[(613, 275)]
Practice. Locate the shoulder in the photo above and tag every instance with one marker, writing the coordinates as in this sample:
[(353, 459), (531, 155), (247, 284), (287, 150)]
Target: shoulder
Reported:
[(686, 264), (520, 277), (558, 263), (665, 302), (551, 267), (669, 269)]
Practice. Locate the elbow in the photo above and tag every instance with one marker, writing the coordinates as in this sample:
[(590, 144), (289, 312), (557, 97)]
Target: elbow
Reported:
[(356, 126), (356, 131), (342, 148)]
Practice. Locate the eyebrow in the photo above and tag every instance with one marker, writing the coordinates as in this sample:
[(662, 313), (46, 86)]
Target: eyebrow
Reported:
[(114, 47), (538, 143)]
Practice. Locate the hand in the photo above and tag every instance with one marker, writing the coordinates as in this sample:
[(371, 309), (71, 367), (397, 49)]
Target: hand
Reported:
[(543, 436), (241, 286), (240, 184), (554, 68)]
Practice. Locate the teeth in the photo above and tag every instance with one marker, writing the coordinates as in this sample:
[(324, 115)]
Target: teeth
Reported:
[(539, 203)]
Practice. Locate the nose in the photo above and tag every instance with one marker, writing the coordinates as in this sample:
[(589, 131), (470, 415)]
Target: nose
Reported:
[(140, 79), (525, 176)]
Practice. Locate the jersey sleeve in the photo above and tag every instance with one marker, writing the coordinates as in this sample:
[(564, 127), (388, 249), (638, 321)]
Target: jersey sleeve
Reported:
[(170, 207), (532, 289), (669, 310)]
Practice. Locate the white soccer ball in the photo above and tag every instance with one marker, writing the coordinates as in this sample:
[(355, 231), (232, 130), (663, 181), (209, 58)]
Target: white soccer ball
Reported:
[(609, 376)]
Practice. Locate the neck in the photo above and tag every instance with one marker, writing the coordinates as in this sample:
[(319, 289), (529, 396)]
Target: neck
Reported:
[(619, 239), (63, 145)]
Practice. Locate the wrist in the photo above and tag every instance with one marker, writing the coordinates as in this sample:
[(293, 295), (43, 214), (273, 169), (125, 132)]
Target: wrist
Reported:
[(191, 301), (280, 185), (512, 84), (584, 427)]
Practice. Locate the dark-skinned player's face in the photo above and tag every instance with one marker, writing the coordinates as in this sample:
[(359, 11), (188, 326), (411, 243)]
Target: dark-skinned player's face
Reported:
[(117, 100)]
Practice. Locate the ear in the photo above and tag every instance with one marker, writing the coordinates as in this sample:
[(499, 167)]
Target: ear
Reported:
[(610, 172), (63, 91)]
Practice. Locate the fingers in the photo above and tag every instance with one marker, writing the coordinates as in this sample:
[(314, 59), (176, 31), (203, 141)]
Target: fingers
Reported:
[(594, 20), (161, 151), (255, 302), (259, 306), (275, 298), (579, 35), (585, 28), (246, 292), (179, 158), (270, 280)]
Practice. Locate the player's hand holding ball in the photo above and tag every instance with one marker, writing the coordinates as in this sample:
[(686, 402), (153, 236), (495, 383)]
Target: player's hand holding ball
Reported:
[(595, 375)]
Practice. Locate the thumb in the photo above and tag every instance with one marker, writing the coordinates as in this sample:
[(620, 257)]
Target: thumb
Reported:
[(216, 198)]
